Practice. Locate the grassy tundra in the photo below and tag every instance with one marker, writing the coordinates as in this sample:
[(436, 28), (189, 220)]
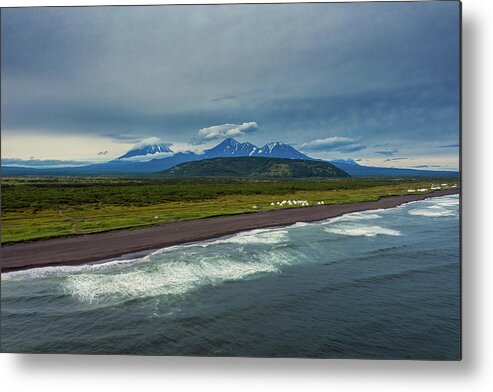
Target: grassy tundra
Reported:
[(43, 207)]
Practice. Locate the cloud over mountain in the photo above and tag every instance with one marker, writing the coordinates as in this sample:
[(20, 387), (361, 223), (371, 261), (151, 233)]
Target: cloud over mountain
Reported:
[(225, 131), (334, 143)]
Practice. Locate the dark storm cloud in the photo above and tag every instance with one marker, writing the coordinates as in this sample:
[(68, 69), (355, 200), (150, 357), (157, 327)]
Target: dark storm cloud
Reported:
[(225, 98), (376, 71)]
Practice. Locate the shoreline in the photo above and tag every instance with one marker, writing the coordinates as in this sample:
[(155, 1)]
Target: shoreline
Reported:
[(89, 248)]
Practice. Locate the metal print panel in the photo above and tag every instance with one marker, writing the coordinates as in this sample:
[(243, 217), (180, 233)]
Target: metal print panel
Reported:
[(265, 180)]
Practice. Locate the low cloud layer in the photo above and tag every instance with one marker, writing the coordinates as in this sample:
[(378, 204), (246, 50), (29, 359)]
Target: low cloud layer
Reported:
[(395, 159), (387, 152), (217, 132), (450, 146), (33, 162), (334, 143)]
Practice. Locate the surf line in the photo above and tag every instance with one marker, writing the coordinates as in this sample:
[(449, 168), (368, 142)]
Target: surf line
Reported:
[(90, 248)]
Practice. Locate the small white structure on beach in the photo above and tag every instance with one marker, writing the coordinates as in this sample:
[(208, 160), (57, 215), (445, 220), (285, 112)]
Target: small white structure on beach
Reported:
[(302, 203)]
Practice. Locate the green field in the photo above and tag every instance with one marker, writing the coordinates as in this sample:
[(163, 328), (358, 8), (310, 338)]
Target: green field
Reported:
[(43, 207)]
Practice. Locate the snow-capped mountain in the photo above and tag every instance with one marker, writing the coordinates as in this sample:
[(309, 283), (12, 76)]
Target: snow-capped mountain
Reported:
[(147, 147), (230, 148), (153, 148), (279, 150)]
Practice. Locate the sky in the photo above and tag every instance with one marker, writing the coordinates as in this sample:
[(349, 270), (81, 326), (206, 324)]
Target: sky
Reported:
[(374, 82)]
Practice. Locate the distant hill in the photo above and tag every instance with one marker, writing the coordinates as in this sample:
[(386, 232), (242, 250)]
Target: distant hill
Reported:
[(355, 170), (255, 167)]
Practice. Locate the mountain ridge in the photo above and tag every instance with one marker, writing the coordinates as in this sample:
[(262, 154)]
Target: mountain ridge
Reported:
[(158, 156), (230, 146)]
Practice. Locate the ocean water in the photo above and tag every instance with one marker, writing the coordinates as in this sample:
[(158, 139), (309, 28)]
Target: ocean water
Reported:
[(374, 284)]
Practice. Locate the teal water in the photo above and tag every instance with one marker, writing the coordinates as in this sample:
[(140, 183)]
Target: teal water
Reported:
[(374, 284)]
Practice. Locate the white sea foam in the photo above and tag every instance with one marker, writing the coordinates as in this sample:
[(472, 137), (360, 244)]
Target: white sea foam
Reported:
[(354, 217), (439, 207), (173, 277), (361, 230), (254, 237), (300, 224), (361, 216), (258, 236), (269, 236), (432, 212), (64, 270), (448, 202), (173, 270)]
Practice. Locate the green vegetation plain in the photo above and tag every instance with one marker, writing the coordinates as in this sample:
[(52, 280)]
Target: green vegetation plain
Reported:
[(43, 207)]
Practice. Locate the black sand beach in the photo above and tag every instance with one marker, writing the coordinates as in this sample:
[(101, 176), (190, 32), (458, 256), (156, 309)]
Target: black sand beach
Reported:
[(101, 246)]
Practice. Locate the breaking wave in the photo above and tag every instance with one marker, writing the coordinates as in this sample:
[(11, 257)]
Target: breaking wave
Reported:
[(265, 236), (254, 237), (431, 211), (173, 277), (360, 216), (64, 270), (361, 230), (439, 207)]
